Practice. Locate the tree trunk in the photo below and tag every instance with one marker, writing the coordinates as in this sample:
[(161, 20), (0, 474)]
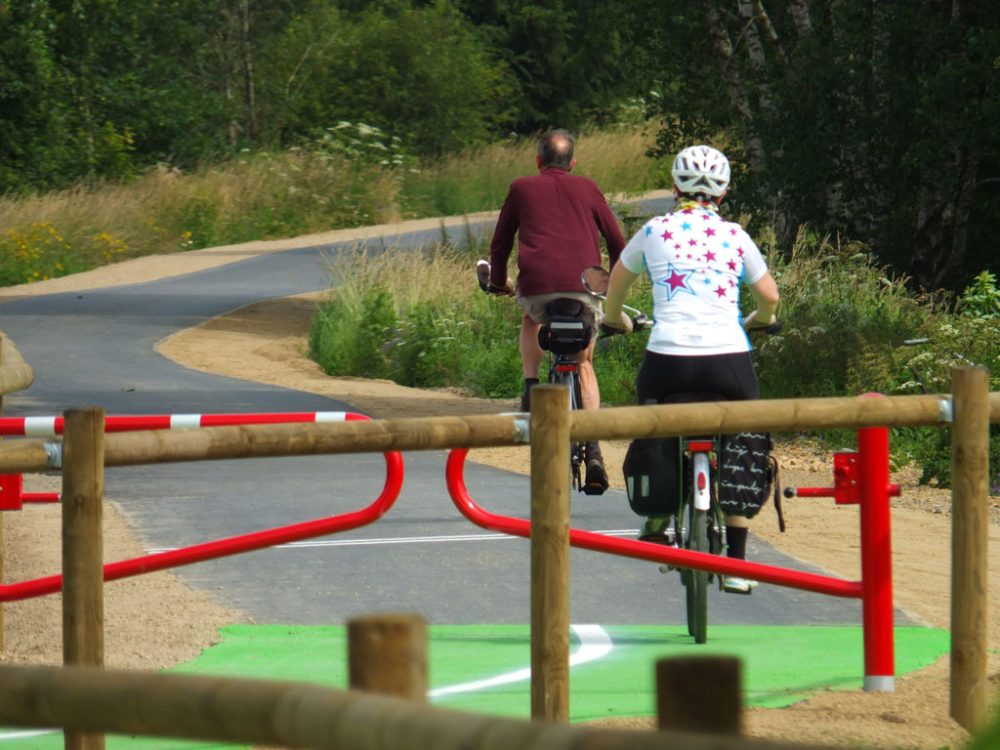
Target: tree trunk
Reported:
[(801, 17), (942, 221), (734, 84), (249, 90)]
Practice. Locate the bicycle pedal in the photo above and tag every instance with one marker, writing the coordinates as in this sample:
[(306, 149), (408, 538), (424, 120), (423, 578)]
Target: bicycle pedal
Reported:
[(736, 585)]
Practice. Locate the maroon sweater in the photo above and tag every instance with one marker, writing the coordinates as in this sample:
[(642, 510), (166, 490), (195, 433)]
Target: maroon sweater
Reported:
[(557, 217)]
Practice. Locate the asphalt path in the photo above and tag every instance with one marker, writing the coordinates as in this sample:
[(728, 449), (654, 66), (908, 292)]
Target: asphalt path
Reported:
[(97, 348)]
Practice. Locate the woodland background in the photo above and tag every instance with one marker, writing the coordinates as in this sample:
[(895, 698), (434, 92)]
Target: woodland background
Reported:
[(875, 121)]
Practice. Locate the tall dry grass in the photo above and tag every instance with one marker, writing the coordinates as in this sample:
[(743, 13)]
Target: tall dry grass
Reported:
[(266, 195)]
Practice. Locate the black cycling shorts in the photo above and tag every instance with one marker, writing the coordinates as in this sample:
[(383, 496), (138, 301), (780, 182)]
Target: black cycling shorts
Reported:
[(668, 378)]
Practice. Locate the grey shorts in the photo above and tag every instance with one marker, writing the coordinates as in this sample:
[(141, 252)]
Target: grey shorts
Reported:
[(534, 307)]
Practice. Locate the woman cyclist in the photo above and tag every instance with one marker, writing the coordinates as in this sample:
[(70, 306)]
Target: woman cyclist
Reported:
[(696, 262)]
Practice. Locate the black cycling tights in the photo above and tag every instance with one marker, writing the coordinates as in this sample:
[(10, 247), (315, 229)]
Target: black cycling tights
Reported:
[(665, 378), (668, 378)]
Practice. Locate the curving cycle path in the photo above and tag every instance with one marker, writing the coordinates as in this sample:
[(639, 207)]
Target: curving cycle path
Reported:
[(96, 347)]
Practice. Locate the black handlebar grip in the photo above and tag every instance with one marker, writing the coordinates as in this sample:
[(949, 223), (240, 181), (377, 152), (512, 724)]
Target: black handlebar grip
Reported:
[(790, 492)]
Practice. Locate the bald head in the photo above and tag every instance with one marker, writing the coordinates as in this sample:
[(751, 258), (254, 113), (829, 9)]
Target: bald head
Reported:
[(555, 149)]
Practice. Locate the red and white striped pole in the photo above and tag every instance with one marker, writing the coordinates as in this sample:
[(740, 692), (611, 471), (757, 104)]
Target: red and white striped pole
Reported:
[(12, 496), (52, 426)]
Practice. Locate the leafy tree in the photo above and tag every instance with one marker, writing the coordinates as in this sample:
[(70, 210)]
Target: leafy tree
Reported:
[(572, 59), (874, 119), (419, 74), (29, 125)]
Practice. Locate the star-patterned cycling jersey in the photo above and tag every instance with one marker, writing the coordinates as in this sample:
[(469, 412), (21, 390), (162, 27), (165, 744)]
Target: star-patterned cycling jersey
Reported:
[(695, 260)]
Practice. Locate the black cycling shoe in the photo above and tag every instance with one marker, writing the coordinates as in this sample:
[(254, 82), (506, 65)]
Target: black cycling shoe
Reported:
[(596, 480)]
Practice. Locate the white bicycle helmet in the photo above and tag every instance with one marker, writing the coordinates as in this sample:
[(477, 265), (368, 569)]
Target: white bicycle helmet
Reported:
[(701, 169)]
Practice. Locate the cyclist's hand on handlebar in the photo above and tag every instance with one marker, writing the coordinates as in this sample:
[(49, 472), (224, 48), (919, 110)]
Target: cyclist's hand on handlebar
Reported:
[(500, 291), (483, 275), (751, 323), (610, 330), (625, 324)]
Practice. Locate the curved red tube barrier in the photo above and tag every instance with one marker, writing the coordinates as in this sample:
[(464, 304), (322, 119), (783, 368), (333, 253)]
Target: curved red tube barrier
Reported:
[(643, 550), (232, 545)]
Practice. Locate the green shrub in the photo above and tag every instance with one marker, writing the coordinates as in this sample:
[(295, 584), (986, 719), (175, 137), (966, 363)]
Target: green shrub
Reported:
[(970, 338), (350, 334), (843, 316)]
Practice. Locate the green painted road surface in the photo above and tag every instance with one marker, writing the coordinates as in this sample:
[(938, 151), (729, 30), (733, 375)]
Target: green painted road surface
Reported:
[(483, 668)]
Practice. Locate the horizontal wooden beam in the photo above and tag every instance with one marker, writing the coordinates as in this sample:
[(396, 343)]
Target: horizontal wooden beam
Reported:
[(297, 715), (439, 433)]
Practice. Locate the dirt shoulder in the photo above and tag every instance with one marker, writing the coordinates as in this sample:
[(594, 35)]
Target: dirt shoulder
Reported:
[(267, 341)]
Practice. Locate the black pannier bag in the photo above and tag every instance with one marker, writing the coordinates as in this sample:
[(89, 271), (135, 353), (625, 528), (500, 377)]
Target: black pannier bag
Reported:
[(566, 332), (651, 480), (747, 472)]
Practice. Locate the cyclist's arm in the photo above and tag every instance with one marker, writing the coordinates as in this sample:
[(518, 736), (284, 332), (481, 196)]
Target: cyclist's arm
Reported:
[(621, 279), (607, 225), (765, 294), (503, 240)]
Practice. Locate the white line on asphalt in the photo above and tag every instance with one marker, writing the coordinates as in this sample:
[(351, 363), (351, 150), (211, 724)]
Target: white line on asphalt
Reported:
[(403, 540), (595, 643), (7, 736)]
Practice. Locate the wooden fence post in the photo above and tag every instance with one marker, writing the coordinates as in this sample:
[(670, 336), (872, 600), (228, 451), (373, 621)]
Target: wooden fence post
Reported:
[(550, 553), (970, 434), (387, 654), (700, 694), (83, 549)]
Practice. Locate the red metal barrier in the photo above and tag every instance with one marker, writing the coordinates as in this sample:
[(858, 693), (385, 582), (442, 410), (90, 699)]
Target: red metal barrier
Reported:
[(862, 478), (643, 550), (12, 497), (236, 544), (866, 479)]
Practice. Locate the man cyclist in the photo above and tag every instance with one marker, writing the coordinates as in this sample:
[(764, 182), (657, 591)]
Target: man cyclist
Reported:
[(557, 217), (696, 261)]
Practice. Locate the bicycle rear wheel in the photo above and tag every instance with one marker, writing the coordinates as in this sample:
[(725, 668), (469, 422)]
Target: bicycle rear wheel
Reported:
[(696, 581), (571, 380)]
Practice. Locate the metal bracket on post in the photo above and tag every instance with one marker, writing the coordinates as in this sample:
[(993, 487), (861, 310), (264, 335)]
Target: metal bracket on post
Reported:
[(845, 478), (54, 455)]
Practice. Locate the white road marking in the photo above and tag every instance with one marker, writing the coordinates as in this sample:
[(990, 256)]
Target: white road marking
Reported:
[(403, 540), (6, 736), (595, 644)]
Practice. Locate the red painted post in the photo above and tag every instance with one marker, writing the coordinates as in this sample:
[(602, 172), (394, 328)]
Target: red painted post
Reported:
[(876, 559), (10, 491)]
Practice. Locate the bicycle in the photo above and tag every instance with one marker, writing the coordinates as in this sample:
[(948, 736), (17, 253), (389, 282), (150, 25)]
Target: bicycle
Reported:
[(564, 337), (698, 523)]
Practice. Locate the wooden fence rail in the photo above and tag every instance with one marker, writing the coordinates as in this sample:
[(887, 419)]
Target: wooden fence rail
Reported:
[(297, 715), (258, 441)]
